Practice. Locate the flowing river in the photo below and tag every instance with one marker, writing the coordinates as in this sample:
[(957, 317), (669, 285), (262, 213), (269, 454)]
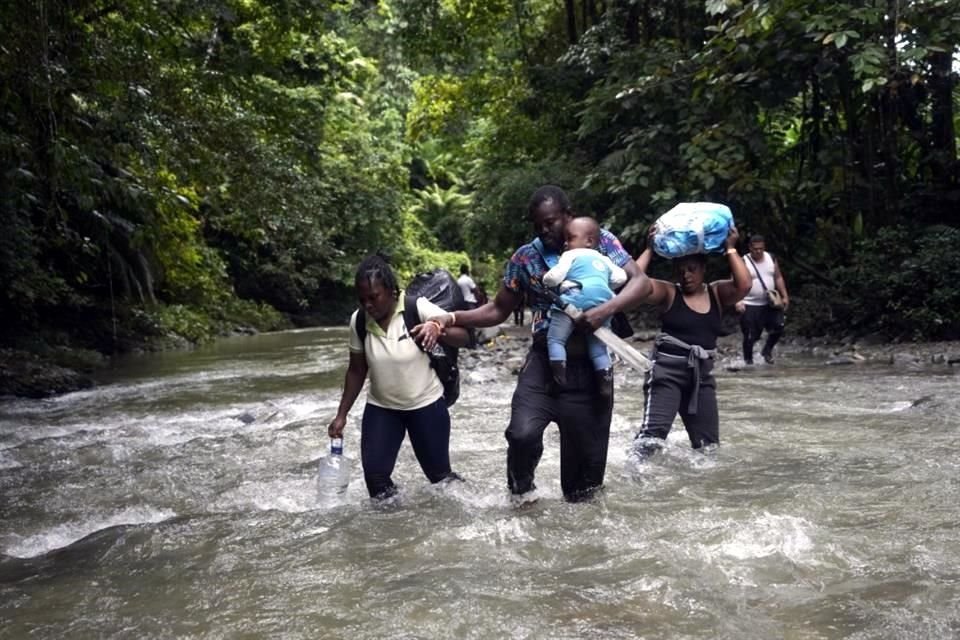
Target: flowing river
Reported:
[(178, 500)]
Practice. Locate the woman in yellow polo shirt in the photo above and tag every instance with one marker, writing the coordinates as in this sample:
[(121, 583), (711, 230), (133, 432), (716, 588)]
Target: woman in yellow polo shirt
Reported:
[(405, 395)]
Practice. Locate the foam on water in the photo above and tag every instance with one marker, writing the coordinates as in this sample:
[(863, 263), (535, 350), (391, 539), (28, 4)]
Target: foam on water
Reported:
[(7, 461), (766, 535), (65, 534), (288, 495), (813, 520)]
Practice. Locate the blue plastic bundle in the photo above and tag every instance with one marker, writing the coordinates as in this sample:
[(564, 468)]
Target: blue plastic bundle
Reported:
[(692, 227)]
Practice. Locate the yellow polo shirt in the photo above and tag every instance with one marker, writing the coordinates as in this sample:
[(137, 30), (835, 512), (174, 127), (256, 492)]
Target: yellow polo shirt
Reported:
[(400, 373)]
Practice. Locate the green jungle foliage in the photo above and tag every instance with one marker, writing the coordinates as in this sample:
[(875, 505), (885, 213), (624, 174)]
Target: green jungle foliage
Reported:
[(190, 167)]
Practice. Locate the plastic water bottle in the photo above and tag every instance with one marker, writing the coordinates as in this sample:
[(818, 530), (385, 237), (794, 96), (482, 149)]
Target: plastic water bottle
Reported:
[(334, 474)]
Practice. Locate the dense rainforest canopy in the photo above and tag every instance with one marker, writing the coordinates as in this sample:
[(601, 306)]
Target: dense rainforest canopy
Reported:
[(173, 166)]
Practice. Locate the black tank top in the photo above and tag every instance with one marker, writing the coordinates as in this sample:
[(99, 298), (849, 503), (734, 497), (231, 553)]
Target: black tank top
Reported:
[(683, 323)]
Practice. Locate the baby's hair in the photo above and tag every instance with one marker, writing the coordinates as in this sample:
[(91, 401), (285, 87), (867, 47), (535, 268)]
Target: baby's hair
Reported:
[(376, 268), (592, 227)]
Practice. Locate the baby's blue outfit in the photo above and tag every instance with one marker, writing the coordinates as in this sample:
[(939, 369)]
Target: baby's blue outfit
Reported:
[(593, 274)]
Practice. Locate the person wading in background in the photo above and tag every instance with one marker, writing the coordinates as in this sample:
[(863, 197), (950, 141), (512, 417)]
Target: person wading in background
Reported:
[(758, 314)]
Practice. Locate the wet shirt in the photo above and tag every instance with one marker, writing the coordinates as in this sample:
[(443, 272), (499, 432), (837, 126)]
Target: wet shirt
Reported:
[(528, 265)]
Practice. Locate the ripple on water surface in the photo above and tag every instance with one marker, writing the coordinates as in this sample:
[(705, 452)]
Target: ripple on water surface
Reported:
[(179, 499)]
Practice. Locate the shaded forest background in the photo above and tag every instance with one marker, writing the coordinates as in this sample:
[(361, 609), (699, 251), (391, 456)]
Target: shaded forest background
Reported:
[(185, 168)]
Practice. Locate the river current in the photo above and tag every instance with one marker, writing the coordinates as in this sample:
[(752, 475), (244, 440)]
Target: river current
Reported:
[(177, 499)]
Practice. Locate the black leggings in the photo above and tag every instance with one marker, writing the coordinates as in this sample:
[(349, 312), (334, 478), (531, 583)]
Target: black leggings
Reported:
[(667, 391), (582, 416), (381, 434)]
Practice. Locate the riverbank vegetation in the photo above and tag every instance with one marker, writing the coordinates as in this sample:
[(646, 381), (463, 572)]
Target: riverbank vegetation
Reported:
[(194, 168)]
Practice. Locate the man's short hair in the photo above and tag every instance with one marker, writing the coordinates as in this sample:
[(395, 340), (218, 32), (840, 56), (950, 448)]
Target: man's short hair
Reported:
[(756, 238), (549, 193), (464, 269)]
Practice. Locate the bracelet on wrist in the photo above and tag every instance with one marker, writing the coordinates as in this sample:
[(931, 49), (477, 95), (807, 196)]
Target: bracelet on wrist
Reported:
[(732, 250), (453, 319)]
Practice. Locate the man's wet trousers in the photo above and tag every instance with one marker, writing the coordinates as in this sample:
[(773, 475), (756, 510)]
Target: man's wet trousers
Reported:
[(581, 415)]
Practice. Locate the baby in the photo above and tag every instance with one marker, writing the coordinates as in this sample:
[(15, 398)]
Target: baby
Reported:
[(586, 279)]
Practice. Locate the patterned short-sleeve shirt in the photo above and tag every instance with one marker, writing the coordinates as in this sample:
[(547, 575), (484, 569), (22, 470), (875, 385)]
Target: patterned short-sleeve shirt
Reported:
[(531, 261)]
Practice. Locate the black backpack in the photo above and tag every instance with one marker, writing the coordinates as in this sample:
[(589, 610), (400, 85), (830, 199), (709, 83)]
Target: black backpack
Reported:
[(440, 288)]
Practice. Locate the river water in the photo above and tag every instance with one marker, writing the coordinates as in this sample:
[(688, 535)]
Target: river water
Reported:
[(145, 508)]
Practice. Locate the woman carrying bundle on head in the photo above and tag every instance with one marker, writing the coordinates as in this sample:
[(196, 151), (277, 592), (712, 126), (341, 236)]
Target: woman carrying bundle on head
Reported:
[(681, 380)]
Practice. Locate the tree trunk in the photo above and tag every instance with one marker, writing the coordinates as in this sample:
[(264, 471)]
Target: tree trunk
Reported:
[(680, 31), (648, 25), (888, 114), (519, 14), (631, 13), (632, 31), (571, 8), (943, 160), (591, 15)]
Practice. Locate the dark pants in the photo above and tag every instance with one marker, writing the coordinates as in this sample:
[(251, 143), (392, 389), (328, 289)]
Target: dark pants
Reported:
[(472, 341), (381, 434), (667, 390), (755, 320), (582, 416)]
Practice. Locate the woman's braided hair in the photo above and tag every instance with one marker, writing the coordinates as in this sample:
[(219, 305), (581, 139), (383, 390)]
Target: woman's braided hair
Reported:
[(376, 268)]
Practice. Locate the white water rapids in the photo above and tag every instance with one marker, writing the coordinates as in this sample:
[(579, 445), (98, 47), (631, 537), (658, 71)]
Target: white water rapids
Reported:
[(145, 508)]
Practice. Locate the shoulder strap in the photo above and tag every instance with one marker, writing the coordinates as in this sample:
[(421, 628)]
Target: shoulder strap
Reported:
[(361, 324), (715, 298), (411, 316), (677, 291), (759, 277)]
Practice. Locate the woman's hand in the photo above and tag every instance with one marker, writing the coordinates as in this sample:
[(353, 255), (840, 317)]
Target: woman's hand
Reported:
[(335, 430), (733, 237), (427, 335)]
